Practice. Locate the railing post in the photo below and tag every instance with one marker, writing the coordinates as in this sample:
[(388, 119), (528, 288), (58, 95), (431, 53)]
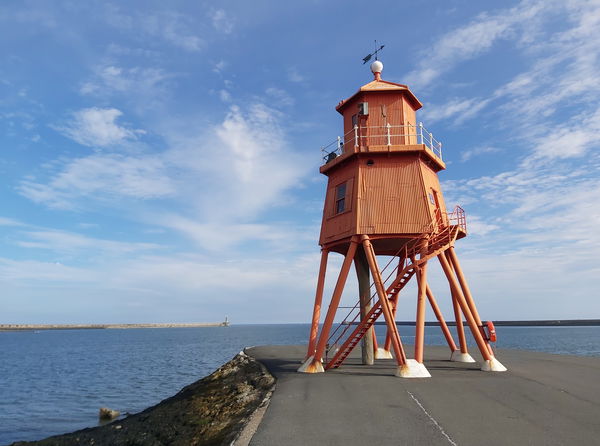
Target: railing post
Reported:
[(440, 148), (356, 136), (389, 142), (339, 145), (431, 141), (421, 141)]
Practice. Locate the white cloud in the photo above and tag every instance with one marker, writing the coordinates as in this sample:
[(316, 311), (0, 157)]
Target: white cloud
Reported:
[(226, 175), (477, 151), (572, 139), (172, 27), (295, 76), (221, 21), (219, 66), (138, 81), (459, 110), (9, 222), (62, 241), (224, 95), (252, 169), (97, 127), (33, 271), (280, 97), (218, 236), (469, 41), (102, 177)]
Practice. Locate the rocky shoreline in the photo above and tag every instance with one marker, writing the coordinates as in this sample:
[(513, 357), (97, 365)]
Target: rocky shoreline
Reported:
[(211, 411)]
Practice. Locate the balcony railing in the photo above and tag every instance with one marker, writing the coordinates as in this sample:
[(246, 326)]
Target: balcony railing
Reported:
[(389, 135)]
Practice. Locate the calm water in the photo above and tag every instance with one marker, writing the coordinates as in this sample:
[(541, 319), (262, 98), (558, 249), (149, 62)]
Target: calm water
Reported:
[(53, 382)]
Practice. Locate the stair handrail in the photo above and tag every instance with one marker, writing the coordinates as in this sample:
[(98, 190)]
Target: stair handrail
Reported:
[(373, 295)]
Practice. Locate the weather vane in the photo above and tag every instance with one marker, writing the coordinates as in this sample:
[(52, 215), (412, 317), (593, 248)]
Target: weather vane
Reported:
[(374, 53)]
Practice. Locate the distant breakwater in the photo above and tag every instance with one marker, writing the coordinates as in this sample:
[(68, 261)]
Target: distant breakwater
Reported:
[(29, 327)]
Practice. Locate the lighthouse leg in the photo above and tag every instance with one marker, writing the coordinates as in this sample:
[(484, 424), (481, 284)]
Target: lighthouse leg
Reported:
[(407, 368), (461, 355), (314, 328), (490, 364), (364, 291), (453, 259), (420, 319), (385, 352), (440, 318), (313, 364)]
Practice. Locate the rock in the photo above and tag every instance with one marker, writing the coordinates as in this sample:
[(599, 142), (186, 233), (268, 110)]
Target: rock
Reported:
[(106, 414), (211, 411)]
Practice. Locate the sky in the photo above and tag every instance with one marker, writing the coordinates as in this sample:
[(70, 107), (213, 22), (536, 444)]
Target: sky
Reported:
[(159, 161)]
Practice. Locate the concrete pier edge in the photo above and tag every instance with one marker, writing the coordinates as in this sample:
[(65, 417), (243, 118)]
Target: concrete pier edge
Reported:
[(543, 399)]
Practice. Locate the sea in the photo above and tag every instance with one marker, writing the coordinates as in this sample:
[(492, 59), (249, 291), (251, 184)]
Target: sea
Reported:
[(54, 381)]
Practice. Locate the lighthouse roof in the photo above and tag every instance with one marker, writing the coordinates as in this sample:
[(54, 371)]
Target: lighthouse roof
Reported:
[(381, 85)]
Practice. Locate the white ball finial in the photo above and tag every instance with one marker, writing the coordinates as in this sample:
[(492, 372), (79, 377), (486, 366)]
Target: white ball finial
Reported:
[(376, 67)]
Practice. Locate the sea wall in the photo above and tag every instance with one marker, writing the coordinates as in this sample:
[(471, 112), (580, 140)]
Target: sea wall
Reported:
[(213, 410), (29, 327)]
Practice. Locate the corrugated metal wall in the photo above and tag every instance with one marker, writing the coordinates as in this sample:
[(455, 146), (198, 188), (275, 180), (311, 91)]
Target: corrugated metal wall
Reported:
[(432, 183), (392, 198), (342, 225)]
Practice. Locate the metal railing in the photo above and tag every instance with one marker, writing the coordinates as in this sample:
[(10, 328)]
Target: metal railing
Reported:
[(457, 217), (388, 135)]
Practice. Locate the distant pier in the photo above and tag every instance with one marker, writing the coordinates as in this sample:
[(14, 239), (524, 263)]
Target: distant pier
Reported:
[(29, 327)]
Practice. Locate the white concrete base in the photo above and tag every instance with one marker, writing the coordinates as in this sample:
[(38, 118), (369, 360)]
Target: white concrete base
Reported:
[(413, 369), (382, 353), (457, 356), (311, 366), (493, 365)]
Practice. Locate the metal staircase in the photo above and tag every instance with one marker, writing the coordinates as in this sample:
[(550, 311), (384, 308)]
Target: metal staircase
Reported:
[(425, 249)]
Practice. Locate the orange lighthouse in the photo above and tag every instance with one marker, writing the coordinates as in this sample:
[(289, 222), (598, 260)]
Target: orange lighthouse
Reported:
[(384, 199)]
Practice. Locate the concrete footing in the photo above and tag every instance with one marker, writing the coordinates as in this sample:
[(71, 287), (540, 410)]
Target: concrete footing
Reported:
[(493, 365), (382, 353), (413, 369), (457, 356), (311, 366)]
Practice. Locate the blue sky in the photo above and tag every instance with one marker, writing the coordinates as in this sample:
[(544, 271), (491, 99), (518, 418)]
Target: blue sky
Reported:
[(159, 160)]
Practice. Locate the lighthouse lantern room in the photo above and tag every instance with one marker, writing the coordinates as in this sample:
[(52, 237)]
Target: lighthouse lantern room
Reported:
[(384, 199)]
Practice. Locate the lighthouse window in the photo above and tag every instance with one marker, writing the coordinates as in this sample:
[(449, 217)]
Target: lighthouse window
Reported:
[(340, 198)]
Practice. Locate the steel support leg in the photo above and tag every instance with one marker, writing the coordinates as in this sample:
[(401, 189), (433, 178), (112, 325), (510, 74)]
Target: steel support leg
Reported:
[(460, 329), (314, 328), (465, 308), (385, 305), (440, 318), (453, 259), (314, 365), (420, 319)]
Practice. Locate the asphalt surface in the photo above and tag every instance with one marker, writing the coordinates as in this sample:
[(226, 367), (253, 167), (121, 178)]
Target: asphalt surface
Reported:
[(542, 400)]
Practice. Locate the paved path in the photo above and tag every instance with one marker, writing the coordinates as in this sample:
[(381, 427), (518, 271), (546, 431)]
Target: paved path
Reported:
[(542, 400)]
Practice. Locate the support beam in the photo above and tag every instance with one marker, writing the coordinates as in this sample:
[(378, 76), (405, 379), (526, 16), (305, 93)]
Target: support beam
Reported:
[(385, 353), (440, 318), (465, 308), (453, 260), (314, 328), (385, 305), (460, 329), (361, 265), (420, 318), (313, 364), (407, 368)]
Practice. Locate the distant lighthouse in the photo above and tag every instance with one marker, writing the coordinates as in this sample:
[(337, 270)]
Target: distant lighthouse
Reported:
[(384, 199)]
